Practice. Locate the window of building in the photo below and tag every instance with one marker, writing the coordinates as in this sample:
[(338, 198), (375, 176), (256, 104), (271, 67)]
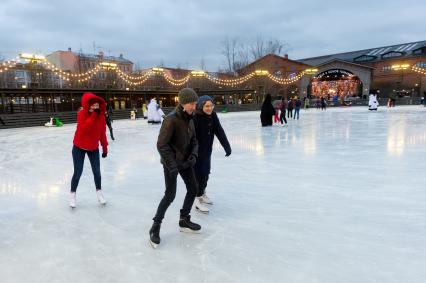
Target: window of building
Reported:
[(387, 68), (420, 51), (364, 58), (392, 54), (421, 64)]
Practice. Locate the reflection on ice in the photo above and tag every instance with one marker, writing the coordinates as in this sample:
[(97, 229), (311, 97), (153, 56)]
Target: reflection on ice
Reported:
[(337, 196)]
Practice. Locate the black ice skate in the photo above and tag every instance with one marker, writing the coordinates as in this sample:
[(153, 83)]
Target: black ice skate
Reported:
[(186, 225), (154, 235)]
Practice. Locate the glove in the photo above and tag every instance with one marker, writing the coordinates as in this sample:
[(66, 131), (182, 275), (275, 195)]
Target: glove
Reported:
[(98, 111), (228, 152), (191, 160), (104, 154), (173, 170)]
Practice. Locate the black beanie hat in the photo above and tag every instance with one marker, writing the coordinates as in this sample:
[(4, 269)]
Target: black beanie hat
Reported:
[(187, 95)]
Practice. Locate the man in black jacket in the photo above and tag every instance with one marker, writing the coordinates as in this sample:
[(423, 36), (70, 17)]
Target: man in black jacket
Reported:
[(178, 148)]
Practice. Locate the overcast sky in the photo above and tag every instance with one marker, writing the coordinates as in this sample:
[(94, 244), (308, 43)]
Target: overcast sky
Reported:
[(184, 32)]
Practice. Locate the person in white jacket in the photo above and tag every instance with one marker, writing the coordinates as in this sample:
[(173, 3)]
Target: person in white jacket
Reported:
[(373, 104), (154, 112)]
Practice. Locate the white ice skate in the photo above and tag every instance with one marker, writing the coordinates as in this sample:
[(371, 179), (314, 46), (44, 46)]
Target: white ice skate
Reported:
[(206, 199), (72, 200), (199, 206), (101, 198)]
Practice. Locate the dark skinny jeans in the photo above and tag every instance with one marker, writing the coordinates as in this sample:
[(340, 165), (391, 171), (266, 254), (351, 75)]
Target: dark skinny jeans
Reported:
[(188, 176), (78, 155)]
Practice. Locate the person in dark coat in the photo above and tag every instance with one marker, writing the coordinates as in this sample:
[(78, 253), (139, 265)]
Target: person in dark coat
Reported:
[(178, 148), (108, 120), (267, 111), (207, 125), (1, 121)]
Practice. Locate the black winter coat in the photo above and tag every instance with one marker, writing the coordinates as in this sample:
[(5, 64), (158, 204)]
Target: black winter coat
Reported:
[(206, 127), (177, 140), (266, 114)]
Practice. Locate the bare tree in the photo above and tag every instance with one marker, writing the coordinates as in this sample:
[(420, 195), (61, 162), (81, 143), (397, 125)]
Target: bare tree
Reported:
[(239, 55), (229, 50), (262, 47)]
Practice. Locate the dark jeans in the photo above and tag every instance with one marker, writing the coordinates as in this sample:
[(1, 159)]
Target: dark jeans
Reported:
[(282, 117), (202, 184), (78, 155), (290, 113), (188, 177), (296, 112)]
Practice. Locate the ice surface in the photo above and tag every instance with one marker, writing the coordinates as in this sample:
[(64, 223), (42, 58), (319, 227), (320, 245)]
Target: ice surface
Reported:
[(337, 196)]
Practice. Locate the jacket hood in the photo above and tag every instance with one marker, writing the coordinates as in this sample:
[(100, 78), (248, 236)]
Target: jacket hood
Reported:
[(88, 97)]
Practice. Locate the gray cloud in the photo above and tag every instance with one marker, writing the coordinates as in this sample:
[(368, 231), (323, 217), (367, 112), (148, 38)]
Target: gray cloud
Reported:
[(184, 32)]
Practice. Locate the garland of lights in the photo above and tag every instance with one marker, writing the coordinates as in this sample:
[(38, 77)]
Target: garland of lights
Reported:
[(419, 70), (7, 65)]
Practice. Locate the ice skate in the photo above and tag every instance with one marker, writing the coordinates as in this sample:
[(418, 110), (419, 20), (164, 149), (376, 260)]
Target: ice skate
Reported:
[(101, 198), (199, 206), (187, 226), (206, 199), (154, 235), (72, 200)]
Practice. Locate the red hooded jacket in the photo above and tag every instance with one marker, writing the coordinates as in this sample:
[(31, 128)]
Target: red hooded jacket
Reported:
[(91, 126)]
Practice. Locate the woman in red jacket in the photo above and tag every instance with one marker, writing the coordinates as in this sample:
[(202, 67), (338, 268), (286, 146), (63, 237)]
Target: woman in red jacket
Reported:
[(91, 127)]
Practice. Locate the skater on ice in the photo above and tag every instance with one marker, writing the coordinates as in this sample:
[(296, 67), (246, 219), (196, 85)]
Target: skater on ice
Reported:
[(91, 128), (373, 104), (178, 148), (267, 112), (207, 125), (283, 110), (108, 120), (155, 113)]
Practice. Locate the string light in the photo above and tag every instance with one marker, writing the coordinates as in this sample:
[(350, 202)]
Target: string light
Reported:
[(144, 77)]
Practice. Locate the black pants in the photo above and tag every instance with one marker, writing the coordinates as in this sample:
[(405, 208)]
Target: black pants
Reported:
[(290, 113), (188, 177), (202, 184), (78, 155), (282, 117), (108, 122)]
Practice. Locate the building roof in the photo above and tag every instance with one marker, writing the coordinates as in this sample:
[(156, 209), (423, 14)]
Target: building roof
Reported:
[(298, 62), (368, 55), (345, 62), (107, 58)]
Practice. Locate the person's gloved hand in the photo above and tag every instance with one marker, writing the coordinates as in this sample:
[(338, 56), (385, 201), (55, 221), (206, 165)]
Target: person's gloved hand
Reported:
[(228, 152), (191, 160), (173, 170), (104, 154), (98, 111)]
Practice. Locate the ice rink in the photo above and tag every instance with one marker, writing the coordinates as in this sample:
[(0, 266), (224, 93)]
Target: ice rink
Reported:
[(337, 196)]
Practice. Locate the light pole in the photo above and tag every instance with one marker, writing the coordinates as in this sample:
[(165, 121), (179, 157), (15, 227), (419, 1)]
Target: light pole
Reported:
[(400, 67), (311, 73)]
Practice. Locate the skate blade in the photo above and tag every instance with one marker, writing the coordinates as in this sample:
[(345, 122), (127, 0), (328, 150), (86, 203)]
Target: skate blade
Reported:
[(200, 211), (187, 230), (153, 245)]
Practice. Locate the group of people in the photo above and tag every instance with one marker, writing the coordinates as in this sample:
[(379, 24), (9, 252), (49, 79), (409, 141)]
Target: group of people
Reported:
[(270, 114), (185, 144)]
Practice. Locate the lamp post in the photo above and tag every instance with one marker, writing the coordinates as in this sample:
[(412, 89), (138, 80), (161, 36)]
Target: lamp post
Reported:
[(401, 68), (311, 73)]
